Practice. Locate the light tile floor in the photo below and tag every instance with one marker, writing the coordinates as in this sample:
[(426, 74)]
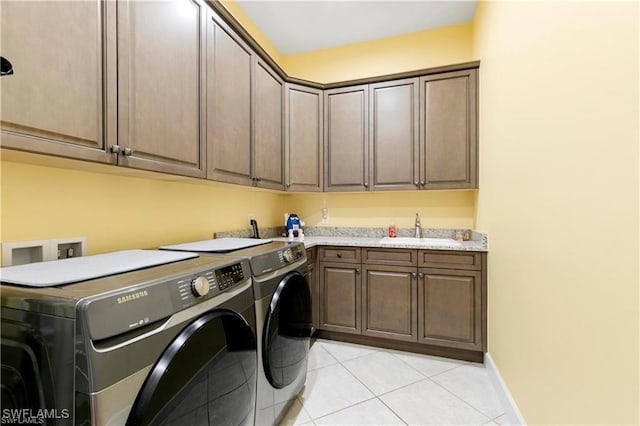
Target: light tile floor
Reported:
[(351, 384)]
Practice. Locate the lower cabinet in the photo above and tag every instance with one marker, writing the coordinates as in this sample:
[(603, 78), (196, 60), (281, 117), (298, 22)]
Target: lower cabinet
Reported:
[(340, 297), (419, 299), (390, 305), (450, 308)]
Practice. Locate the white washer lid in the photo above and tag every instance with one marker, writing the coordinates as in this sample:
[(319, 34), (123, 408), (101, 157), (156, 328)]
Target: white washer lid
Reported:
[(76, 269), (218, 245)]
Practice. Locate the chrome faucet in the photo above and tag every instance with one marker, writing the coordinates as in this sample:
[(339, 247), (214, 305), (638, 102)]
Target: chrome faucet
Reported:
[(417, 226)]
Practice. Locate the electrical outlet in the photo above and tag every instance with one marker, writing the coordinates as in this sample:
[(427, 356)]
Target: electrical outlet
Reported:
[(70, 247), (325, 216)]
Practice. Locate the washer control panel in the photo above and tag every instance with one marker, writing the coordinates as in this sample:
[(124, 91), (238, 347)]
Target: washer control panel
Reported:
[(229, 276), (277, 259), (212, 282), (290, 254), (136, 306)]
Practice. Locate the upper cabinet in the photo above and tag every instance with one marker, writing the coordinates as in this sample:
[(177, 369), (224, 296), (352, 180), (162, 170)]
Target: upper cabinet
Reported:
[(177, 87), (59, 100), (303, 138), (393, 135), (346, 135), (161, 69), (268, 135), (229, 64), (416, 133), (449, 130), (245, 113)]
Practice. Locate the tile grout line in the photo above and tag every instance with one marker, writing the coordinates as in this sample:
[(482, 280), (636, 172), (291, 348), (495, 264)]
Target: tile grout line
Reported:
[(420, 372), (376, 396), (458, 397), (359, 381)]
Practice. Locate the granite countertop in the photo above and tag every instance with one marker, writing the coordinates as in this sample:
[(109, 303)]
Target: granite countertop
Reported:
[(433, 238), (407, 243)]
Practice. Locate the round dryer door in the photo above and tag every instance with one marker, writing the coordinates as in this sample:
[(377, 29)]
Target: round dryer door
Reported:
[(287, 331), (206, 376)]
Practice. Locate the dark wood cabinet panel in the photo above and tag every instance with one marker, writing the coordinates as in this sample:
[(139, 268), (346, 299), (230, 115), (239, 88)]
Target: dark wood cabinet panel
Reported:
[(450, 308), (229, 138), (312, 279), (160, 86), (346, 139), (340, 297), (389, 302), (394, 135), (439, 308), (449, 260), (303, 138), (61, 99), (449, 130), (268, 140), (339, 254), (392, 257)]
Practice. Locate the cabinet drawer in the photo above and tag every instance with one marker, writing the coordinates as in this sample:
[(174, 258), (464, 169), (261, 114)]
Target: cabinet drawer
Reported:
[(340, 254), (394, 257), (449, 260)]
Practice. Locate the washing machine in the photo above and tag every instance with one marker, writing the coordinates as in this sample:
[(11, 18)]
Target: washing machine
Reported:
[(283, 316), (138, 337)]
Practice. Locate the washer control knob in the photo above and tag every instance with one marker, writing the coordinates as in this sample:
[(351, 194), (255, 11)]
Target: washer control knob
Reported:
[(200, 286), (288, 256)]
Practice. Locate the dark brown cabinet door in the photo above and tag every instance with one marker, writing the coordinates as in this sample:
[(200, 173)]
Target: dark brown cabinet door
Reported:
[(390, 302), (229, 139), (393, 134), (160, 85), (346, 139), (450, 308), (61, 98), (303, 138), (448, 122), (340, 297), (268, 140)]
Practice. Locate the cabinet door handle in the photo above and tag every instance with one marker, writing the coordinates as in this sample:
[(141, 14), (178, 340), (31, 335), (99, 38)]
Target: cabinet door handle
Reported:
[(421, 275), (414, 275), (416, 183), (128, 152), (422, 183), (339, 255), (115, 149), (357, 270), (288, 184), (366, 184)]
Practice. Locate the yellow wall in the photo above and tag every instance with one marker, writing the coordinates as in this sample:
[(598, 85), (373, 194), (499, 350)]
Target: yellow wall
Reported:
[(437, 209), (250, 27), (424, 49), (119, 212), (559, 199)]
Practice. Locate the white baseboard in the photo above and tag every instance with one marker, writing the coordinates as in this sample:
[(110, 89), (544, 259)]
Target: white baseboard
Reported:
[(511, 409)]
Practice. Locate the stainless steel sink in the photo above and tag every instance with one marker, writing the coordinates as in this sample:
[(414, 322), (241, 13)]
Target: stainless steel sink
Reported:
[(430, 242)]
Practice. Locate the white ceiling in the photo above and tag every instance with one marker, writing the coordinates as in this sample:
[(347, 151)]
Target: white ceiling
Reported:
[(296, 26)]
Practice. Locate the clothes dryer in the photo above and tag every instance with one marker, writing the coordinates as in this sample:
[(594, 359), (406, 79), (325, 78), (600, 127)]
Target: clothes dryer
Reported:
[(134, 337), (283, 316)]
